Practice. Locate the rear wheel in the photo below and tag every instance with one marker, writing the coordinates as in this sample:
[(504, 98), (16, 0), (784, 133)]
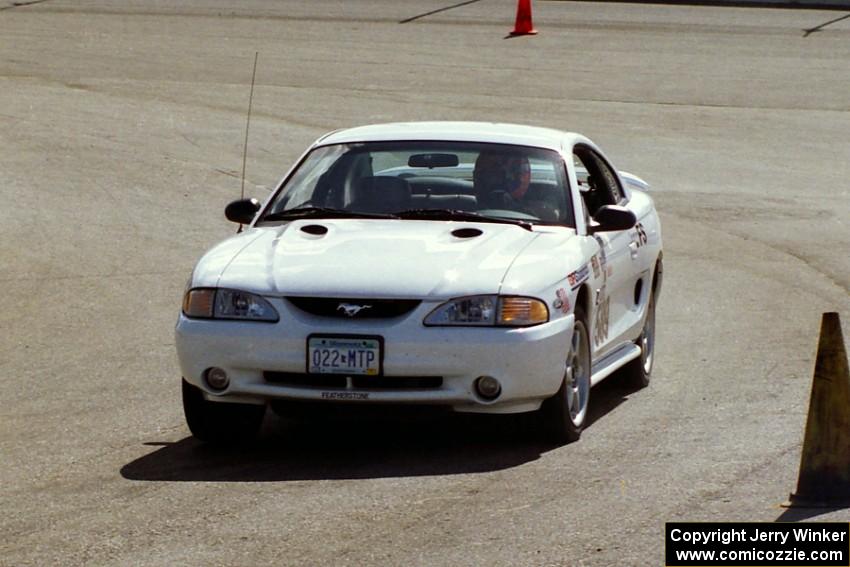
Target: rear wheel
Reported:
[(220, 422), (637, 373), (563, 415)]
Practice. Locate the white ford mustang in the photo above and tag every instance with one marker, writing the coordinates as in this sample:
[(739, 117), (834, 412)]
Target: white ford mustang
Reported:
[(486, 267)]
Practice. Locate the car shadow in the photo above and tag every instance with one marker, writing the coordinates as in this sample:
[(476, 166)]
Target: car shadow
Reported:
[(343, 446), (607, 395)]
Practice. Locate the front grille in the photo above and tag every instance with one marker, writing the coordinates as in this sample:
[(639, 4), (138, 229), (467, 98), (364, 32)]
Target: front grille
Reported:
[(306, 380), (338, 381), (396, 382), (354, 308)]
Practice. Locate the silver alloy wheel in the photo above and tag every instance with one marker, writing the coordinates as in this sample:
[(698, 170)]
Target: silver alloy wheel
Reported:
[(577, 374), (647, 339)]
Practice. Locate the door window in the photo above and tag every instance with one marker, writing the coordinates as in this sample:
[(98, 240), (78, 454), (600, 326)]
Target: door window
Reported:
[(598, 182)]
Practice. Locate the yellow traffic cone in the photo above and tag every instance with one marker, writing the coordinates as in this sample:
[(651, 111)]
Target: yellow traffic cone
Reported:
[(824, 480)]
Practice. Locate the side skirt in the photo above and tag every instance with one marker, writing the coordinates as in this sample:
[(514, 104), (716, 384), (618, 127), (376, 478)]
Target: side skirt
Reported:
[(613, 361)]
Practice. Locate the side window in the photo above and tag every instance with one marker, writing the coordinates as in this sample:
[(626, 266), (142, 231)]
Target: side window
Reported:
[(597, 182), (610, 179)]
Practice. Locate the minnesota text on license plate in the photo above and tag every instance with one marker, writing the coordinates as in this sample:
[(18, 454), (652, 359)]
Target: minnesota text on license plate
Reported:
[(331, 355)]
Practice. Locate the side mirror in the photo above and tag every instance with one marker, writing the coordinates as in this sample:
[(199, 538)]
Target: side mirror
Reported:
[(612, 217), (242, 211)]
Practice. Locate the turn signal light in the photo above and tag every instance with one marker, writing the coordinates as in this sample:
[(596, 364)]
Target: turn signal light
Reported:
[(522, 311), (199, 302)]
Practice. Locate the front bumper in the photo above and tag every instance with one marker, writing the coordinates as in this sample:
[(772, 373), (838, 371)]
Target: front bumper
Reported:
[(528, 362)]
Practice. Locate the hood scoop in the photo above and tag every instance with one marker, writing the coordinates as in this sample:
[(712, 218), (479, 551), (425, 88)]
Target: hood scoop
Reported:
[(314, 229), (467, 232)]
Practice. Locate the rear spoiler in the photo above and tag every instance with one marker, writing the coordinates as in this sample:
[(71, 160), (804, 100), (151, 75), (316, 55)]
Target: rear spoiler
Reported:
[(633, 181)]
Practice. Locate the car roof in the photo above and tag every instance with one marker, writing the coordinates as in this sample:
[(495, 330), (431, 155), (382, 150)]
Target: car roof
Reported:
[(488, 132)]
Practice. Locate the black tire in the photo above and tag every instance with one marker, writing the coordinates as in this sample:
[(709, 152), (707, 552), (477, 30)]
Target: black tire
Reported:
[(638, 372), (563, 416), (220, 422)]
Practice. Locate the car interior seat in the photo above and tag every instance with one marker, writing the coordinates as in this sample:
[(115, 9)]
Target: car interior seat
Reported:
[(380, 194)]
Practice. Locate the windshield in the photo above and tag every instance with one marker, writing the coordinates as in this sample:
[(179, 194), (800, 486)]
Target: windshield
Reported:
[(403, 179)]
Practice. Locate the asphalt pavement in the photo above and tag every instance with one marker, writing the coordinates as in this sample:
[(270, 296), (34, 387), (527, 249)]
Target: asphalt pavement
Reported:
[(121, 127)]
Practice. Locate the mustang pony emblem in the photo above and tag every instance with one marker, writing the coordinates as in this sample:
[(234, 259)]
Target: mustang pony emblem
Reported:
[(352, 309)]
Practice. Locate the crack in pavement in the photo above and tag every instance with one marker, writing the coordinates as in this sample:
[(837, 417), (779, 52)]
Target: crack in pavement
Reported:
[(815, 29), (22, 4), (437, 11)]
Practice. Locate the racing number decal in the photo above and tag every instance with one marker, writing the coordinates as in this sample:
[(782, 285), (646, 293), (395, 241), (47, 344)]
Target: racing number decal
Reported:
[(640, 237), (600, 327)]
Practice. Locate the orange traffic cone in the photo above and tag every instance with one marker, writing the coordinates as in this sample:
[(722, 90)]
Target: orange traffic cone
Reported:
[(523, 25)]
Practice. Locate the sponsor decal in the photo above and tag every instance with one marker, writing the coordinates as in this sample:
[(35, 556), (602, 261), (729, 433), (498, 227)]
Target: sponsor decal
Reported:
[(578, 277), (603, 257), (639, 237), (603, 309), (345, 396), (562, 301), (607, 271), (595, 263)]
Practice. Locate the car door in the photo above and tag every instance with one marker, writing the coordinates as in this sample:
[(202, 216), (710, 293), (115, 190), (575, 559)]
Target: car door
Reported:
[(613, 292), (644, 250)]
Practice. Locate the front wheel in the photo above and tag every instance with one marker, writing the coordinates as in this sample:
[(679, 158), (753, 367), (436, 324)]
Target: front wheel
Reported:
[(563, 415), (220, 422)]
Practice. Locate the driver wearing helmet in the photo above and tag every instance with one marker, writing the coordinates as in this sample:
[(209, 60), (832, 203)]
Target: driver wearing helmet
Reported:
[(501, 181)]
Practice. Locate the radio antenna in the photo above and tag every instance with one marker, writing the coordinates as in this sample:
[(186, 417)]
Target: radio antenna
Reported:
[(248, 124)]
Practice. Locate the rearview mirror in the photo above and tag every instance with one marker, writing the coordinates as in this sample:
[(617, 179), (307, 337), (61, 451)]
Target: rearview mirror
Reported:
[(242, 211), (610, 218), (433, 160)]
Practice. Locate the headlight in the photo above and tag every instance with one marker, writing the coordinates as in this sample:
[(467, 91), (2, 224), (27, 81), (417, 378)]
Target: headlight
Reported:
[(489, 311), (476, 310), (212, 303)]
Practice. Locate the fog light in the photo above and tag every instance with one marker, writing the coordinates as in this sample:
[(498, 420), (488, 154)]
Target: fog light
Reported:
[(488, 387), (217, 378)]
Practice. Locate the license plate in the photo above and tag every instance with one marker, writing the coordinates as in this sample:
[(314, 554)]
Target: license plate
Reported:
[(344, 355)]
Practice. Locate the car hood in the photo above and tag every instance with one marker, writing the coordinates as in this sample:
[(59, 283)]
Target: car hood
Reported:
[(366, 258)]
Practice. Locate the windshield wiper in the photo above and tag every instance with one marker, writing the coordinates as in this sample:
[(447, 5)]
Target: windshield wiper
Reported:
[(322, 212), (458, 215)]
